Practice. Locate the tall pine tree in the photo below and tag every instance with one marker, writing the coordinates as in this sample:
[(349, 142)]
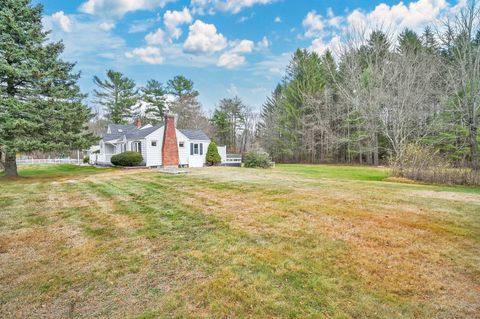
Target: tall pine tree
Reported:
[(41, 105), (154, 94), (185, 103), (117, 95)]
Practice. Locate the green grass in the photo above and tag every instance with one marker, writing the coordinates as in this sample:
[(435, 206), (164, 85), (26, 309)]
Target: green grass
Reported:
[(360, 173), (55, 170), (292, 242)]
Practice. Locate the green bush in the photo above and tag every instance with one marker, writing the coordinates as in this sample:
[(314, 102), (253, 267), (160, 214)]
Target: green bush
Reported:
[(213, 158), (254, 159), (127, 159), (86, 160)]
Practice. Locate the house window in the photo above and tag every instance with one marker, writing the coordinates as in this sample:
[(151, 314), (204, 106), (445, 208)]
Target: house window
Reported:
[(181, 144), (196, 149), (154, 143), (137, 146)]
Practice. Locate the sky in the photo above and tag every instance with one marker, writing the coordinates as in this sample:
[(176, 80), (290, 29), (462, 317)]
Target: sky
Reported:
[(227, 47)]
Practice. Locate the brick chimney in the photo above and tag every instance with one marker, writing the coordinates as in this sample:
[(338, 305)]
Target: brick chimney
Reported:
[(170, 146)]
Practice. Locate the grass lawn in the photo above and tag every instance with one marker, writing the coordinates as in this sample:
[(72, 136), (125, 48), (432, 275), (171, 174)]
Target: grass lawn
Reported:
[(297, 241), (54, 171)]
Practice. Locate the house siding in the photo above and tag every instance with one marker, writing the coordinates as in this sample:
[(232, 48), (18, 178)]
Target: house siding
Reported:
[(197, 160), (153, 156)]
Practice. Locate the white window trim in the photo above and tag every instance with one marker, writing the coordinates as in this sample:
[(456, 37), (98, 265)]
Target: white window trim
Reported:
[(135, 147)]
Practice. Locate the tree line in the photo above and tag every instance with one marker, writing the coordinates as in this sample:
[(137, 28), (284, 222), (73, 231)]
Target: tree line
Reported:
[(120, 101), (379, 95)]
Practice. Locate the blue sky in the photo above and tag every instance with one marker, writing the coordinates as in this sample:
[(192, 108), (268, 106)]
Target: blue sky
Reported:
[(227, 47)]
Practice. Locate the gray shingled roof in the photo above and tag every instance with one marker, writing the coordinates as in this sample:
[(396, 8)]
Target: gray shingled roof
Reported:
[(131, 132), (195, 134), (117, 131), (141, 133)]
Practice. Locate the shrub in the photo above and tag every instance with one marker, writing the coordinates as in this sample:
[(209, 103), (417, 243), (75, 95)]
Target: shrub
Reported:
[(254, 159), (427, 165), (127, 159), (86, 160), (213, 158)]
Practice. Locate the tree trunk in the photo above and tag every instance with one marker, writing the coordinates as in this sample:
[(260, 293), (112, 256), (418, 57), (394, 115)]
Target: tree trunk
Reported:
[(10, 164), (474, 147), (375, 150)]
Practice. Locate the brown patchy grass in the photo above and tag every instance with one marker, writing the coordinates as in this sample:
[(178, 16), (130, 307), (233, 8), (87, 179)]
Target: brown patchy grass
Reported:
[(237, 243)]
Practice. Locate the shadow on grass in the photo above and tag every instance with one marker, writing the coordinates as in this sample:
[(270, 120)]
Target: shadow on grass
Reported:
[(47, 172)]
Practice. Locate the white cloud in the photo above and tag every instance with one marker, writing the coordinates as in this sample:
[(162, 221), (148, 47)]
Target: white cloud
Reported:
[(230, 60), (173, 19), (232, 6), (106, 26), (203, 38), (234, 58), (62, 20), (278, 19), (155, 38), (325, 33), (313, 24), (119, 7), (415, 15), (142, 25), (334, 45), (84, 40), (243, 46), (233, 90), (333, 20), (150, 55), (263, 44), (273, 66)]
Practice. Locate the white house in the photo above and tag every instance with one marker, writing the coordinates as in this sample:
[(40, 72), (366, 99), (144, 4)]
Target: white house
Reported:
[(160, 145)]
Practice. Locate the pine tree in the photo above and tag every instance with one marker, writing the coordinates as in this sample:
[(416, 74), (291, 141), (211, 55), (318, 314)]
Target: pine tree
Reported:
[(428, 40), (180, 87), (212, 157), (409, 42), (117, 95), (41, 105), (229, 119), (155, 95), (185, 104)]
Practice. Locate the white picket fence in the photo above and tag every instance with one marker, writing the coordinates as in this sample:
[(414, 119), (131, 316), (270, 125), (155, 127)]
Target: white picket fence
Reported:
[(46, 161)]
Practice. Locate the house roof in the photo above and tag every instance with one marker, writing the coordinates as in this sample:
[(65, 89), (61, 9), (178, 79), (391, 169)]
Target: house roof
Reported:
[(141, 133), (195, 134), (117, 131)]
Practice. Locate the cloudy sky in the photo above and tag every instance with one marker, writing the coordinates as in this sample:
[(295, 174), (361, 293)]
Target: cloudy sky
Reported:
[(227, 47)]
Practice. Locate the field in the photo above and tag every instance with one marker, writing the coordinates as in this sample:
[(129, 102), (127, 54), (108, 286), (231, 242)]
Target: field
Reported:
[(297, 241)]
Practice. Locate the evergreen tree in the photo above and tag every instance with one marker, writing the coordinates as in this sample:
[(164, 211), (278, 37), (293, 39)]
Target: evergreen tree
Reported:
[(185, 103), (180, 87), (212, 157), (409, 42), (229, 120), (222, 127), (41, 105), (117, 95), (155, 95), (269, 130), (428, 41)]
